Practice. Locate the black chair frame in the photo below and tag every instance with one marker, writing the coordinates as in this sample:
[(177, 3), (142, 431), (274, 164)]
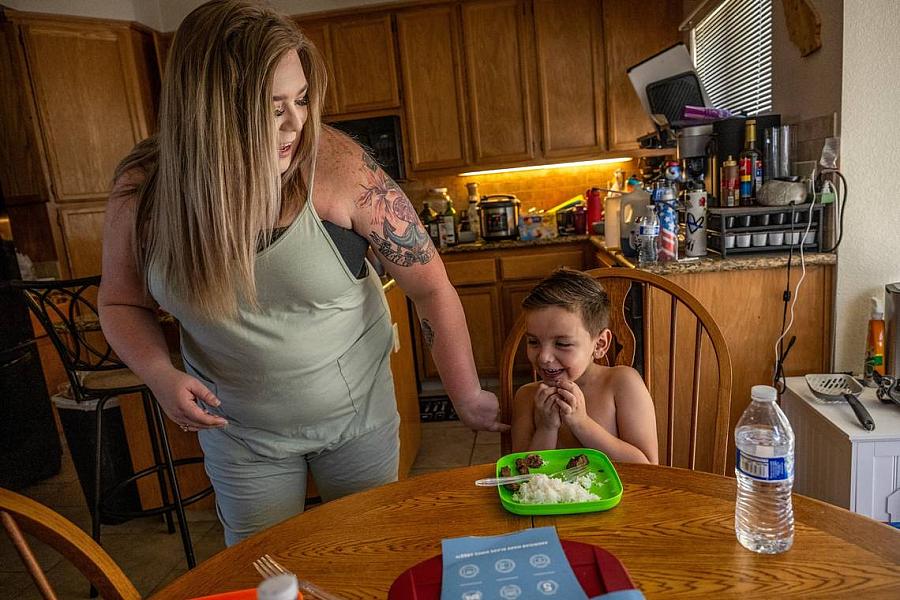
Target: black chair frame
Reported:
[(68, 329)]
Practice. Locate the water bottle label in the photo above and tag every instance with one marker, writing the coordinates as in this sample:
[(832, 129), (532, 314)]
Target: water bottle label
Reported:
[(648, 230), (765, 468)]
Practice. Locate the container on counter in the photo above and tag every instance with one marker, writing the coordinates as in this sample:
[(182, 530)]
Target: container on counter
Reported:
[(730, 194), (632, 207), (695, 202), (611, 231), (431, 222), (499, 216)]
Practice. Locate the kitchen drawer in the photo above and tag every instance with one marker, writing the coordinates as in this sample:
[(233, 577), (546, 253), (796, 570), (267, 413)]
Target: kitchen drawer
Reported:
[(472, 272), (538, 266)]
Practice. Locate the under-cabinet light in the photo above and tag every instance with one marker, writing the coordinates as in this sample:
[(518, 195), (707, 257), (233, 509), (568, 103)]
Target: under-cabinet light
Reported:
[(582, 163)]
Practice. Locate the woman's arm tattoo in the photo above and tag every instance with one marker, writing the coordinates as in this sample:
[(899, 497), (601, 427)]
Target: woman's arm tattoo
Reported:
[(427, 333), (403, 240)]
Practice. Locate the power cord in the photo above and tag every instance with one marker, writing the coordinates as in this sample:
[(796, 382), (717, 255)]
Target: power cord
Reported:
[(780, 351)]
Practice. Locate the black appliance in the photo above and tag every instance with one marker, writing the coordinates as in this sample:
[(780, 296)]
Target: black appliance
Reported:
[(29, 441), (380, 136)]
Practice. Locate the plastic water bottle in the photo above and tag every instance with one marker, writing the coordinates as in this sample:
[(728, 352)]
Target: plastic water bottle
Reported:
[(648, 232), (764, 467)]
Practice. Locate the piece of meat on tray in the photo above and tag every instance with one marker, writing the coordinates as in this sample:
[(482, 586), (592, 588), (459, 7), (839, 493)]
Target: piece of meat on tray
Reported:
[(522, 466), (577, 461), (506, 472), (534, 461)]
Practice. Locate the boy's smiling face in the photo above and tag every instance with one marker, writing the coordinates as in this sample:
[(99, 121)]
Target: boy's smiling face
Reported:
[(559, 346)]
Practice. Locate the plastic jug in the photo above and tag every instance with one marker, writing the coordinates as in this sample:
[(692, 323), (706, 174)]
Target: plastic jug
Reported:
[(632, 207)]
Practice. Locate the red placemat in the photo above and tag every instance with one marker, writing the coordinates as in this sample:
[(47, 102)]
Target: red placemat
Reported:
[(597, 571)]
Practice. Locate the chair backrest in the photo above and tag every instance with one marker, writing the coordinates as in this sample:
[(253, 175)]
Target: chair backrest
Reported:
[(19, 514), (692, 410), (66, 309)]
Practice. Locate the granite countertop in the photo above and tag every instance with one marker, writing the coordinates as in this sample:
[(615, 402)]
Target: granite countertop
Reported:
[(741, 262), (508, 244)]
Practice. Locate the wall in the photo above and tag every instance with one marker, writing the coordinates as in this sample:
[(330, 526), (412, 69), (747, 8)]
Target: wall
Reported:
[(163, 15), (539, 189), (810, 86), (142, 11), (174, 11), (868, 257)]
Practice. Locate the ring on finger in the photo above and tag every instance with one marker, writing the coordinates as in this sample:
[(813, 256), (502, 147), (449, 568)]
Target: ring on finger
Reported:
[(183, 427)]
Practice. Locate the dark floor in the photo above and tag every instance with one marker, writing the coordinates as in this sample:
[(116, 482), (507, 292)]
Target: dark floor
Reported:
[(151, 557)]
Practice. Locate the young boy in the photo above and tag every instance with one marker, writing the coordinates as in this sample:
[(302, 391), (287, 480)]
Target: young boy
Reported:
[(577, 402)]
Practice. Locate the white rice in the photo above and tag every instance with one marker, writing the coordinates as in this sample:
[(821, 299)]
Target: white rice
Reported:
[(548, 490)]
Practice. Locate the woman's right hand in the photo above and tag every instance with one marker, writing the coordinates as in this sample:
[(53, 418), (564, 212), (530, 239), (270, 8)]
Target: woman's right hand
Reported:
[(177, 393), (546, 411)]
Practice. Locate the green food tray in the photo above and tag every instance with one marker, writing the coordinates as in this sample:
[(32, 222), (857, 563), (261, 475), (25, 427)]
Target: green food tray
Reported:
[(610, 492)]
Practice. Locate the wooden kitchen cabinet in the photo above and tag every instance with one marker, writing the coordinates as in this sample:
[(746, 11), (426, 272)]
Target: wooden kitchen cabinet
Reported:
[(89, 103), (633, 32), (571, 77), (320, 35), (498, 66), (491, 285), (433, 94), (360, 61), (78, 95)]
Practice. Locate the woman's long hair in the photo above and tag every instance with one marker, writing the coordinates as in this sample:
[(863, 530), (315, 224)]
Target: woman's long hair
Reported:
[(211, 189)]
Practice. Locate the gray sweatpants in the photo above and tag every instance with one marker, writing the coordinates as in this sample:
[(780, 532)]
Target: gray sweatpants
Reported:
[(254, 492)]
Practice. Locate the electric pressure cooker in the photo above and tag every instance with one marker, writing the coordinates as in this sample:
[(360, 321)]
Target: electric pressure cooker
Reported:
[(499, 215)]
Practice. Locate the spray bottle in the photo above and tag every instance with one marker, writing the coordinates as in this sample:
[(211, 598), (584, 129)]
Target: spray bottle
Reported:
[(875, 342)]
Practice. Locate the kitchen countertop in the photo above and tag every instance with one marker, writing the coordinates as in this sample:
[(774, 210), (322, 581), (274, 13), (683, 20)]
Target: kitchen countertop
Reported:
[(741, 262), (508, 244), (707, 264)]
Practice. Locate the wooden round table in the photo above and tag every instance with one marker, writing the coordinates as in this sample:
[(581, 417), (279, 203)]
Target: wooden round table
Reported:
[(673, 531)]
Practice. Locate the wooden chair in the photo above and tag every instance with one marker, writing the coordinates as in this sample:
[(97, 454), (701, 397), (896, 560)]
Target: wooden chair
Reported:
[(692, 410), (20, 514)]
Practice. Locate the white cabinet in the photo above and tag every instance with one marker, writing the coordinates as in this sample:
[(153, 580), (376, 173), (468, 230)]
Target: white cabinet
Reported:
[(840, 462)]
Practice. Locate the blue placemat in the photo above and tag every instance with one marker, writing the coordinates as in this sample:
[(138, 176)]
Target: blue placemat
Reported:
[(518, 566)]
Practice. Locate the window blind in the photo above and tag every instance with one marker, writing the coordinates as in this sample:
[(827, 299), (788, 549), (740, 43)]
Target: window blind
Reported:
[(732, 50)]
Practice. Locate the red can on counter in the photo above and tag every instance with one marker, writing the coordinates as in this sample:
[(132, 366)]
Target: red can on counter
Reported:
[(594, 207)]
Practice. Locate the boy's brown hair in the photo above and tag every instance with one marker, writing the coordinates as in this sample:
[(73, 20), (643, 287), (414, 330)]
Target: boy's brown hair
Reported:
[(574, 291)]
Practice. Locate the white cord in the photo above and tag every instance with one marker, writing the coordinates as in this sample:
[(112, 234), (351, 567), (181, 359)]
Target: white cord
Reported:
[(790, 324)]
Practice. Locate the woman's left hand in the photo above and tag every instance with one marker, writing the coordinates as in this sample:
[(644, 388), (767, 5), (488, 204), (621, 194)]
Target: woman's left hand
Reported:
[(481, 412), (571, 403)]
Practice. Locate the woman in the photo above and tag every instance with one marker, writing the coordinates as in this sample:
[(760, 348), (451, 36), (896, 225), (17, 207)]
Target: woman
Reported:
[(249, 220)]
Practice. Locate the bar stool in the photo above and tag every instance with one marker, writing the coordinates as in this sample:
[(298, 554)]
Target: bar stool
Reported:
[(67, 311)]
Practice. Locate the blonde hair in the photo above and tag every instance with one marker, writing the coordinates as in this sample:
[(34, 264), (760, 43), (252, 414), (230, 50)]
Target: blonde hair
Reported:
[(211, 188)]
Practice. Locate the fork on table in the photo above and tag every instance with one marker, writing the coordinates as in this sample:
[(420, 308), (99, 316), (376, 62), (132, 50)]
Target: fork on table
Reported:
[(569, 474), (267, 566)]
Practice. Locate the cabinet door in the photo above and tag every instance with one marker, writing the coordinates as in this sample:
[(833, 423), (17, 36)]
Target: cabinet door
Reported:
[(513, 294), (430, 66), (633, 31), (571, 77), (81, 227), (364, 65), (89, 115), (320, 36), (482, 320), (21, 176), (494, 38)]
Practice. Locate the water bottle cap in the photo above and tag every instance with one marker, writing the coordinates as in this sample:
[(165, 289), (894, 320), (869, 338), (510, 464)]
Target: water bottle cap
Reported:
[(763, 393), (280, 587)]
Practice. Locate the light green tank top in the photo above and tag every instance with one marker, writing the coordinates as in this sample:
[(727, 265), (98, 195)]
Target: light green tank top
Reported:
[(312, 366)]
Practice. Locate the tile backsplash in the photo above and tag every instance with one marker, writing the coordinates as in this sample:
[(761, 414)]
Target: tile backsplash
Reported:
[(539, 189)]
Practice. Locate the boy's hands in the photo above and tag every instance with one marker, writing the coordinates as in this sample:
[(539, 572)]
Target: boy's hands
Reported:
[(546, 411), (570, 399)]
